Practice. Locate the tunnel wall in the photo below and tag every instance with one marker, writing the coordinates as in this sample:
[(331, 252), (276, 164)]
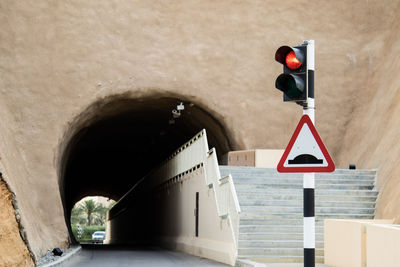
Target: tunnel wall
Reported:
[(160, 209), (58, 58), (31, 181)]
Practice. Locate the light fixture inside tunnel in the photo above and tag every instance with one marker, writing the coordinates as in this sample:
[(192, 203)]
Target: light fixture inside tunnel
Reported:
[(180, 106), (176, 113)]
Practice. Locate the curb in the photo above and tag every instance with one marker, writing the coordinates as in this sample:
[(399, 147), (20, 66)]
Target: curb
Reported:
[(64, 259), (249, 263)]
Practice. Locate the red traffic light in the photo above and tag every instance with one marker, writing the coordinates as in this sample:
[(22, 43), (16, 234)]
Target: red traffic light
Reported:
[(293, 81), (292, 62), (290, 57)]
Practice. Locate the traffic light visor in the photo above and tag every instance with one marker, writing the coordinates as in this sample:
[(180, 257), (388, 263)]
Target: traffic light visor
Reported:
[(290, 57)]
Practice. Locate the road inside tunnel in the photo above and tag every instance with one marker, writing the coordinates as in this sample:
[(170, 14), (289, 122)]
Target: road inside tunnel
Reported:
[(96, 256), (125, 141)]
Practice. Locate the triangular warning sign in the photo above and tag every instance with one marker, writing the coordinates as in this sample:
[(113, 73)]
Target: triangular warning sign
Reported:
[(306, 152)]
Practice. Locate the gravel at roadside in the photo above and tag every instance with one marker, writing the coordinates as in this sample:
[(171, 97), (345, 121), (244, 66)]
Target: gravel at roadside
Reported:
[(49, 257)]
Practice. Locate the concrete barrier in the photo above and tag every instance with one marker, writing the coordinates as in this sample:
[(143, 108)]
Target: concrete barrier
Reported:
[(383, 245), (345, 242)]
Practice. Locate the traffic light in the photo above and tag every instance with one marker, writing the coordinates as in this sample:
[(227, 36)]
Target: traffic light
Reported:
[(293, 82)]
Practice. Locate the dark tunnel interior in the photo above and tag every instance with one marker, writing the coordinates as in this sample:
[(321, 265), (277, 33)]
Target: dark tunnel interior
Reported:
[(110, 155)]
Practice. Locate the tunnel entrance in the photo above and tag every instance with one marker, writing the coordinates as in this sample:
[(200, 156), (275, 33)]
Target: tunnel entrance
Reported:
[(121, 140)]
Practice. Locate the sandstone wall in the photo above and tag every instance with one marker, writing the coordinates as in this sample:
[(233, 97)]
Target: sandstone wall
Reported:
[(58, 57), (373, 134)]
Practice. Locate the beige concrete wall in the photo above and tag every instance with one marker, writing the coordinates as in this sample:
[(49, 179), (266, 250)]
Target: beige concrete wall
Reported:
[(383, 245), (241, 158), (59, 57), (215, 240), (268, 158), (345, 242), (265, 158)]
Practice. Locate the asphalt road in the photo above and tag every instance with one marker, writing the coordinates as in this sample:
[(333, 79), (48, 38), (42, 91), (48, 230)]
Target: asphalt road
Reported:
[(103, 255)]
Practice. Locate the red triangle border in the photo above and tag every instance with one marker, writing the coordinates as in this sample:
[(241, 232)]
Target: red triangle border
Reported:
[(305, 119)]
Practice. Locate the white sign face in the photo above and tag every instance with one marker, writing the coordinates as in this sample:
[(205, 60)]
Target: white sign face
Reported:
[(306, 152)]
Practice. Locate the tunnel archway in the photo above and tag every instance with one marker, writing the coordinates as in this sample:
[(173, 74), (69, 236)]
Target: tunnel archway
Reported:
[(118, 140)]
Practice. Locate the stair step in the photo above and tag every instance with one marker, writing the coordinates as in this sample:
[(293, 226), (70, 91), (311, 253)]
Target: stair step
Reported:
[(297, 203), (276, 251), (279, 259), (276, 236), (298, 177), (318, 210), (244, 244), (329, 192), (248, 187), (287, 222), (243, 196), (268, 180), (276, 228), (300, 215)]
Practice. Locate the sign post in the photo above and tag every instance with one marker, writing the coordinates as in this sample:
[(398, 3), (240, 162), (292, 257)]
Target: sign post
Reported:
[(309, 178), (305, 152)]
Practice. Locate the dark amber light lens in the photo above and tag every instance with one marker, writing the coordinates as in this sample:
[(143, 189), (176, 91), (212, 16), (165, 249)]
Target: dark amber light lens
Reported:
[(292, 62)]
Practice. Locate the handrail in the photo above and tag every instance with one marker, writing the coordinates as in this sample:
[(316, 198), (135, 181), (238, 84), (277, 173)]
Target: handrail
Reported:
[(234, 194), (225, 193), (118, 207)]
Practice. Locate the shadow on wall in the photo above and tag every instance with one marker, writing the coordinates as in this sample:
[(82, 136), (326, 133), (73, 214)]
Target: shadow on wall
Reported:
[(119, 139)]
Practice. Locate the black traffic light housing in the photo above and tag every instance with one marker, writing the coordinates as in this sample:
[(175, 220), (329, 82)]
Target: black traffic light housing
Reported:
[(293, 81)]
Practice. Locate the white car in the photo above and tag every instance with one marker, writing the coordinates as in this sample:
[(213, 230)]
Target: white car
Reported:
[(98, 237)]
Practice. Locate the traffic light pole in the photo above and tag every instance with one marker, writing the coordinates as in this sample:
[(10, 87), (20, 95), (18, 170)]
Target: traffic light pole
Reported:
[(309, 178), (297, 84)]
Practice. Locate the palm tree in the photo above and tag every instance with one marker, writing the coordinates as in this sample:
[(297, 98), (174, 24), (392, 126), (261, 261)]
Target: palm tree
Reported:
[(77, 215), (91, 209), (100, 216)]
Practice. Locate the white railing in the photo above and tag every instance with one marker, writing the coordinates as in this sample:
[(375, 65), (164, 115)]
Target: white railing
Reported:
[(182, 159), (193, 153), (225, 193), (230, 204)]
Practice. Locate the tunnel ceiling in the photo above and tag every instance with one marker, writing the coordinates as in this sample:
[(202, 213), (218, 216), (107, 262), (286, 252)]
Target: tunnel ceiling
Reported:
[(108, 157)]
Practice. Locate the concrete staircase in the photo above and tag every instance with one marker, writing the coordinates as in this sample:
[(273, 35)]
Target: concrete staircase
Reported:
[(271, 222)]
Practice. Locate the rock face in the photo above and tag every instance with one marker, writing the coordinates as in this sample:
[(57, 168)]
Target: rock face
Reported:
[(13, 251), (58, 58)]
